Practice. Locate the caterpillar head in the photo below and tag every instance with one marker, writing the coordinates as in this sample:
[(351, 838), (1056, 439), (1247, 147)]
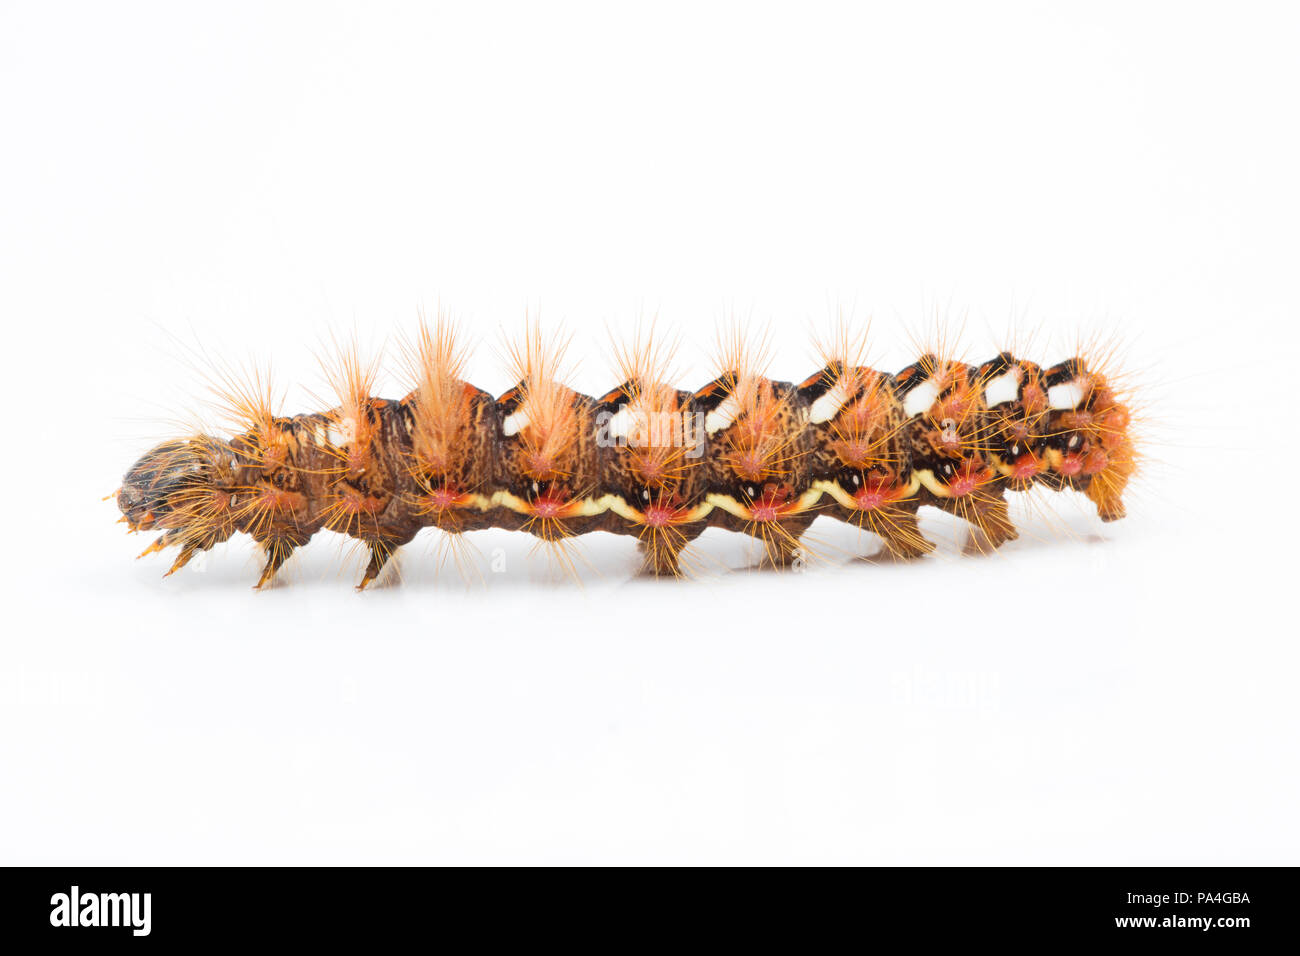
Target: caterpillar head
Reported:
[(163, 484), (1091, 439)]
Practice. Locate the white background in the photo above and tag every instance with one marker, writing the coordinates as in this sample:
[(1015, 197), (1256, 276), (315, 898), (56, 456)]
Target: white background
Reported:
[(250, 178)]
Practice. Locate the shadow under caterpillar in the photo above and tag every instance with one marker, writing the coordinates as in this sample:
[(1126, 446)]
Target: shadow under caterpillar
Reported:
[(744, 453)]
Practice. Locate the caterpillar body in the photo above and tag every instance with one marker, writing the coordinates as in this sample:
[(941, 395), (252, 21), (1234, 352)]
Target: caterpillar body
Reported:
[(743, 453)]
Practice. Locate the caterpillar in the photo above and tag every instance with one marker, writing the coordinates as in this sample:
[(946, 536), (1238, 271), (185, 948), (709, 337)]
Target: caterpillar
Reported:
[(744, 452)]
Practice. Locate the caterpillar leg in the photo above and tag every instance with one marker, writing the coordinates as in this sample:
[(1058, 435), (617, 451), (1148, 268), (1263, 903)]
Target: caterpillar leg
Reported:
[(188, 550), (661, 560), (380, 552), (278, 551), (781, 541), (986, 513), (781, 554), (165, 540), (661, 549), (1105, 491), (901, 535)]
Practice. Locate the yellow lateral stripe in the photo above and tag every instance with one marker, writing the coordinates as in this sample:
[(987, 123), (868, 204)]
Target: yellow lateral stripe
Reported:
[(932, 484), (729, 505), (838, 492), (591, 507), (586, 507), (732, 506), (810, 498), (699, 512), (623, 509), (833, 489), (505, 499)]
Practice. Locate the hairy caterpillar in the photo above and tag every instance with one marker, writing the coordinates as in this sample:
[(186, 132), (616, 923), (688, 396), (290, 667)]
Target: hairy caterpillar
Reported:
[(744, 453)]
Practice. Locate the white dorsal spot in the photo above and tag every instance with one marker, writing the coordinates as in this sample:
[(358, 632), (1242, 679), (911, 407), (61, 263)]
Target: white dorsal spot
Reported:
[(1067, 394), (920, 399), (343, 432), (828, 405), (1004, 388), (516, 422), (620, 423), (722, 416)]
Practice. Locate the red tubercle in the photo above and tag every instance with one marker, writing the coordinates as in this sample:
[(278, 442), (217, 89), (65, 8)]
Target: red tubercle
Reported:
[(274, 453), (548, 507), (1095, 461), (972, 475), (1071, 464), (356, 502), (443, 499), (749, 465), (1033, 398), (358, 459), (554, 503), (540, 467), (1025, 467), (276, 499), (877, 493), (962, 485), (773, 503), (657, 516), (1116, 418), (665, 513)]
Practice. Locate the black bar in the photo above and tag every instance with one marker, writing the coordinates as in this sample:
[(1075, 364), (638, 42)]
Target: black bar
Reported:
[(1226, 907)]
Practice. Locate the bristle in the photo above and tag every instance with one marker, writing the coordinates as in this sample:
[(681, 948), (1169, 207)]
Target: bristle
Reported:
[(456, 548), (350, 376), (756, 446), (940, 342), (742, 360), (563, 554), (247, 399), (547, 414), (842, 350), (653, 408), (352, 426), (441, 399), (646, 357)]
